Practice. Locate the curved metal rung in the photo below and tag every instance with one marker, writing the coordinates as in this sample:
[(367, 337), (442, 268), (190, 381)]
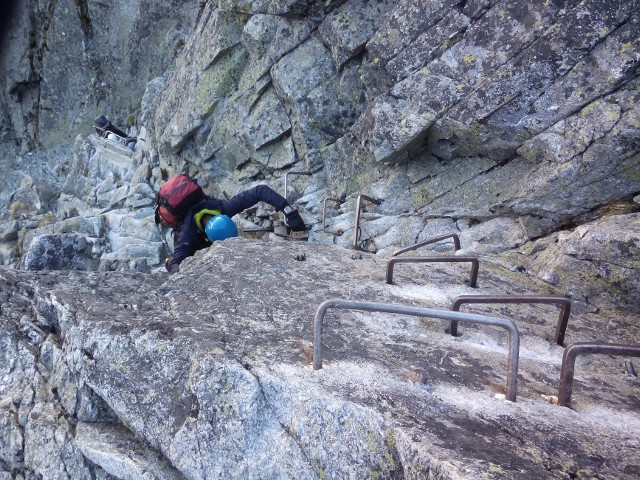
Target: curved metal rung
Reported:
[(475, 265), (514, 336), (456, 243), (580, 348), (356, 227), (563, 320)]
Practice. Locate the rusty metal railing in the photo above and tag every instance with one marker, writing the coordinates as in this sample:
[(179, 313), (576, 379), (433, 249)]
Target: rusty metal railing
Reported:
[(563, 320), (286, 175), (475, 265), (456, 243), (514, 336), (356, 227), (324, 210), (580, 348)]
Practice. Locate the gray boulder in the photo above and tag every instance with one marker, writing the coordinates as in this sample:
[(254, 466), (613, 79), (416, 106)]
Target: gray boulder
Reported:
[(62, 252)]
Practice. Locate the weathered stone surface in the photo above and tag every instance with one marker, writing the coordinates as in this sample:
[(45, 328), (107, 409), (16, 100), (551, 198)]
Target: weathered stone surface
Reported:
[(294, 77), (405, 23), (514, 28), (347, 29), (400, 121), (298, 8), (114, 53), (220, 386), (500, 106), (278, 155), (120, 453), (438, 61), (333, 106), (9, 231), (596, 262), (246, 6), (272, 36), (428, 45), (484, 80), (502, 231), (192, 93), (267, 122), (606, 66), (511, 123), (61, 252)]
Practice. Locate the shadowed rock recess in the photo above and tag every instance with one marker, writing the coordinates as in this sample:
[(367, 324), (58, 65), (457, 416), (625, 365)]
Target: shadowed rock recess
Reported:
[(513, 124)]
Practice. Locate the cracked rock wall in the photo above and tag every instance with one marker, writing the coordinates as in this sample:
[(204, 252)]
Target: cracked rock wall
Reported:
[(505, 122), (514, 124), (207, 375)]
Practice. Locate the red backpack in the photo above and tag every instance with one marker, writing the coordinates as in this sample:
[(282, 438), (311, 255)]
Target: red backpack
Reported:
[(177, 195)]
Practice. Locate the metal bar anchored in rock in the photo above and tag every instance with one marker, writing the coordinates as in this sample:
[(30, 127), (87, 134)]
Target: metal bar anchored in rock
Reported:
[(580, 348), (475, 265), (514, 336), (563, 320), (454, 236), (356, 227)]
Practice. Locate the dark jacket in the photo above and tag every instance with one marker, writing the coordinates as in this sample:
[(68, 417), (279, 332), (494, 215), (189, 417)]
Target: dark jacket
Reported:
[(191, 238), (104, 126)]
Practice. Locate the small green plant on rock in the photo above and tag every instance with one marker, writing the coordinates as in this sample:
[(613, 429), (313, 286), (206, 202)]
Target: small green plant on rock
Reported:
[(131, 120), (17, 209)]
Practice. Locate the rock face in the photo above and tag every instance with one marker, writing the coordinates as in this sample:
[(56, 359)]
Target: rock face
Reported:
[(604, 253), (65, 62), (505, 122), (207, 374), (513, 124)]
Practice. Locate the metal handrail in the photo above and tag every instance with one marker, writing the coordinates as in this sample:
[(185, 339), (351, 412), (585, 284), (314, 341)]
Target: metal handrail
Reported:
[(456, 243), (514, 336), (324, 210), (475, 265), (286, 175), (563, 319), (356, 227), (579, 348)]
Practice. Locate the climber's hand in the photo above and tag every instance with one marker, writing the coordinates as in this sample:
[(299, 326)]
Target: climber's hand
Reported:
[(170, 268), (294, 222)]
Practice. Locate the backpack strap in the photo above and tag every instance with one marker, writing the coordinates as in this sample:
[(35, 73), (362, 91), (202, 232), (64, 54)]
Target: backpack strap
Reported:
[(205, 211)]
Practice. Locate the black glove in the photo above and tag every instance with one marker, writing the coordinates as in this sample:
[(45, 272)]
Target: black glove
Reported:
[(294, 222), (170, 268)]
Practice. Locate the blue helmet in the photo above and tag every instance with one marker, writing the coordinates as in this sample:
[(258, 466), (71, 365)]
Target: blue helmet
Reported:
[(220, 227)]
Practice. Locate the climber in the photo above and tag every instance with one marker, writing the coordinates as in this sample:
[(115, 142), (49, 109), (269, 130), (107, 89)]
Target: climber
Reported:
[(199, 220), (107, 130)]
